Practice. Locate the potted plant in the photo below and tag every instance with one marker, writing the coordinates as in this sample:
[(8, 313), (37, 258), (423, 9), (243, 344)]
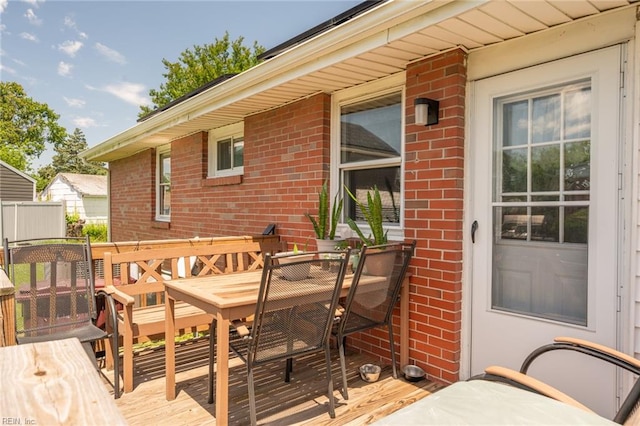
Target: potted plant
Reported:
[(325, 225), (296, 271), (372, 213)]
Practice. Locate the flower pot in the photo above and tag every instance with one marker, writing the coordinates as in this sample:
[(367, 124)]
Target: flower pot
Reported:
[(295, 271), (326, 245)]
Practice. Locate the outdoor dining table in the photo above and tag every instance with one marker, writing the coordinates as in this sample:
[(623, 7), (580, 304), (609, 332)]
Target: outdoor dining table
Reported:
[(53, 382), (229, 297)]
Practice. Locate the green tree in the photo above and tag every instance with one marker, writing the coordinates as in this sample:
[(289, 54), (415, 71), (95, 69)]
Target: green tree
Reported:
[(67, 160), (26, 126), (201, 65)]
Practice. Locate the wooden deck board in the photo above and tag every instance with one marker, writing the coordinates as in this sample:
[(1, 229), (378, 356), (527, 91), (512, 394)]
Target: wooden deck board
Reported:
[(303, 401)]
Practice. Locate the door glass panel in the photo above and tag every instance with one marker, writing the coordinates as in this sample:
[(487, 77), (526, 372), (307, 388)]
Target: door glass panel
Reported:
[(515, 119), (541, 203), (514, 169), (546, 119), (545, 168)]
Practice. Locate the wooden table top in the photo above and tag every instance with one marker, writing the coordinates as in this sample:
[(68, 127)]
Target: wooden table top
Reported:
[(241, 289), (53, 383)]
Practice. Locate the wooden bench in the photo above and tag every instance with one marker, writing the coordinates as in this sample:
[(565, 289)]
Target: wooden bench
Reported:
[(138, 286)]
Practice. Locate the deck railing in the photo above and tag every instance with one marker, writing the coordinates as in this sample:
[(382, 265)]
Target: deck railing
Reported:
[(7, 290)]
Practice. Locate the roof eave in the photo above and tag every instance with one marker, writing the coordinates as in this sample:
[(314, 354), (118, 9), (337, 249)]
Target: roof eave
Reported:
[(377, 26)]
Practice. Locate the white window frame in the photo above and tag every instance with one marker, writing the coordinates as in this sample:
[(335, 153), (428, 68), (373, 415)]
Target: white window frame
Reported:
[(160, 153), (232, 131), (391, 84)]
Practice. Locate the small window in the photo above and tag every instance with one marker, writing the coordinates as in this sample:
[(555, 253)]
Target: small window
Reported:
[(163, 180), (226, 151), (230, 155)]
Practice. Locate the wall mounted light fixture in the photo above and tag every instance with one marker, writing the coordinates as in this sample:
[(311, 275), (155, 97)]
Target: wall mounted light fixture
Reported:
[(426, 112)]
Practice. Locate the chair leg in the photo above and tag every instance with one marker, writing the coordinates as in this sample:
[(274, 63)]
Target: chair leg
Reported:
[(393, 352), (252, 397), (288, 369), (212, 342), (127, 359), (327, 357), (343, 368), (116, 366)]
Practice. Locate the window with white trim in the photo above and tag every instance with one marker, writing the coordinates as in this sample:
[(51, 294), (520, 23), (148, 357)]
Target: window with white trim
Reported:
[(226, 151), (368, 150), (163, 183)]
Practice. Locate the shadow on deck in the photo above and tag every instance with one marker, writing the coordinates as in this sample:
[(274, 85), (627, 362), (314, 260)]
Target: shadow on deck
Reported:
[(303, 401)]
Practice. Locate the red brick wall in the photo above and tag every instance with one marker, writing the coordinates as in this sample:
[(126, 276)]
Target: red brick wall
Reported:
[(132, 197), (434, 195), (286, 160)]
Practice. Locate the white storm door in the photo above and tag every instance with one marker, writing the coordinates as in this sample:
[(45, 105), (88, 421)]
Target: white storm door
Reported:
[(544, 153)]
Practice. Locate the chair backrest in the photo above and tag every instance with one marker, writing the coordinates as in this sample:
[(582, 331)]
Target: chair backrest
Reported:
[(54, 285), (296, 305), (376, 286)]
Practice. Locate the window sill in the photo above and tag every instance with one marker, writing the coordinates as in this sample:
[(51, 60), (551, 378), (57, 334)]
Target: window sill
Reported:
[(157, 224), (223, 180)]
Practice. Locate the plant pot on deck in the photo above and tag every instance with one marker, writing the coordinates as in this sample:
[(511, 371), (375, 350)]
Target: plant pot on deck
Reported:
[(326, 245), (296, 271)]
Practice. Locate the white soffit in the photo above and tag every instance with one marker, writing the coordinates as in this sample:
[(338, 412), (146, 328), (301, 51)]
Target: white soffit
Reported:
[(378, 43)]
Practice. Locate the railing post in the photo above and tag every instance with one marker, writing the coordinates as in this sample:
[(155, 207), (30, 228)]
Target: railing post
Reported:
[(7, 311)]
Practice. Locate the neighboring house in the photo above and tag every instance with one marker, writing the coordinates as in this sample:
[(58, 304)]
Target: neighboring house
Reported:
[(85, 195), (523, 198), (21, 216), (16, 185)]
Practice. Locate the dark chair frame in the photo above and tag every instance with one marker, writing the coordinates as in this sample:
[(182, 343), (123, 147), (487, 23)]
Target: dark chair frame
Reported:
[(57, 300), (630, 404), (352, 322)]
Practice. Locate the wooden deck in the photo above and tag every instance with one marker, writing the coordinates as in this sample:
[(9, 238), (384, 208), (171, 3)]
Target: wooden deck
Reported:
[(303, 401)]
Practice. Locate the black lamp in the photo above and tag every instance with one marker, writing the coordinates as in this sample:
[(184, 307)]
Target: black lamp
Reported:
[(426, 111)]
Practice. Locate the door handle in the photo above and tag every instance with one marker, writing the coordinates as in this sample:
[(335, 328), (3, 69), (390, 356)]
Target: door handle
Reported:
[(474, 228)]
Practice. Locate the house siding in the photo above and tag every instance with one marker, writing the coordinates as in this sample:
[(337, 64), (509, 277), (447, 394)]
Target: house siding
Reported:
[(14, 187), (286, 160)]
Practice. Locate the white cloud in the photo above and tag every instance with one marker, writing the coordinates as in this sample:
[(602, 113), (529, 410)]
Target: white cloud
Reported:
[(70, 23), (4, 68), (3, 5), (110, 54), (64, 69), (32, 18), (74, 102), (84, 122), (131, 93), (70, 47), (29, 37)]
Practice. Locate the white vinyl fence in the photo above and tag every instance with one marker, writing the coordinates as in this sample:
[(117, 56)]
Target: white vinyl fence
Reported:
[(21, 220)]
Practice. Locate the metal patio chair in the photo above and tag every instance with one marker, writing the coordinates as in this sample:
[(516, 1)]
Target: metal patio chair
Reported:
[(55, 295), (370, 305), (294, 314), (628, 412)]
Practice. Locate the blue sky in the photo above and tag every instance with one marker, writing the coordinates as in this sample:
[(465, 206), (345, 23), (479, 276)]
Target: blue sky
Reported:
[(94, 62)]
